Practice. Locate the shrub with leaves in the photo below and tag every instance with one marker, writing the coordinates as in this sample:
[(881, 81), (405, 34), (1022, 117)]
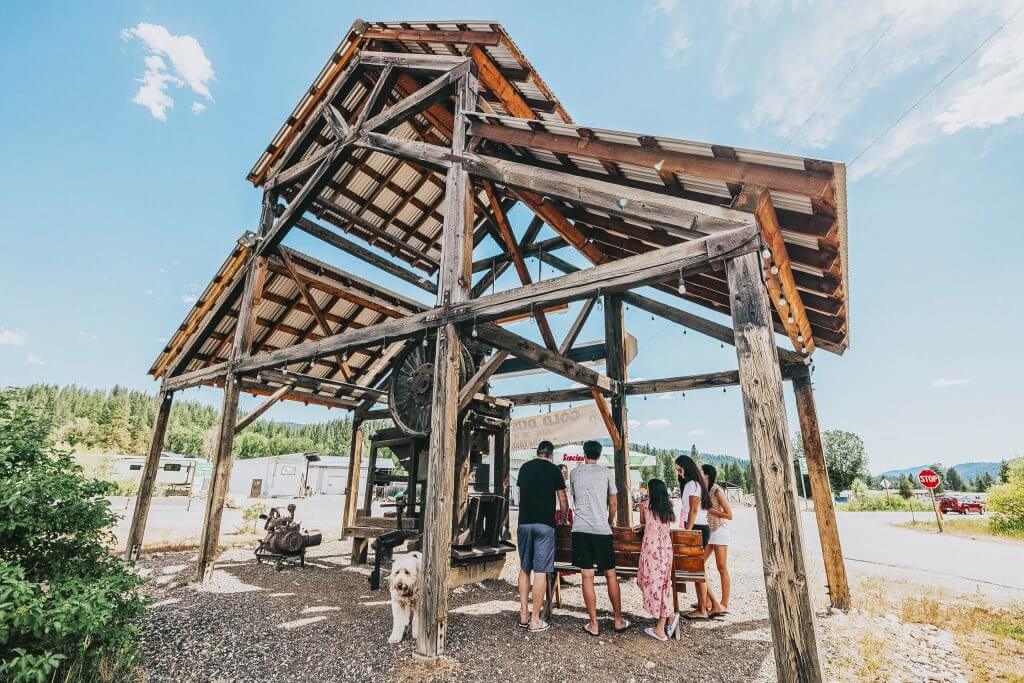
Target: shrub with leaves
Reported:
[(67, 606), (1006, 501)]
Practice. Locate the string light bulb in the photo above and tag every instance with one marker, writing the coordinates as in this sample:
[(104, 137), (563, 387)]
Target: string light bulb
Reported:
[(775, 270), (799, 337), (766, 253), (782, 301), (682, 285), (790, 320)]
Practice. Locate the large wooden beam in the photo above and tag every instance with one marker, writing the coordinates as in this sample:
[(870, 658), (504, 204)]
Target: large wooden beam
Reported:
[(365, 255), (789, 600), (615, 276), (518, 346), (355, 458), (533, 183), (500, 263), (144, 498), (615, 366), (220, 477), (350, 389), (645, 387), (425, 36), (798, 181), (688, 320), (312, 304), (821, 492), (263, 407), (454, 283), (778, 275), (509, 239), (479, 379), (577, 326)]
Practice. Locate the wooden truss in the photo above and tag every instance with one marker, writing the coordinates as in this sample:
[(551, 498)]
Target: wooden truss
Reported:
[(413, 123)]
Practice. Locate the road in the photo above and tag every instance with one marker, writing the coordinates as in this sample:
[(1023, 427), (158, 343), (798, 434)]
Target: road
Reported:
[(873, 545)]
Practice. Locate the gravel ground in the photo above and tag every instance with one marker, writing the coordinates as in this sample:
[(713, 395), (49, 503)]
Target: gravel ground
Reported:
[(251, 623), (323, 624)]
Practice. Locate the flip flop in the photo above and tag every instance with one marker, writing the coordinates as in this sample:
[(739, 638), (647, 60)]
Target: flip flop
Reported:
[(624, 628), (717, 615), (591, 633), (671, 630), (650, 631), (544, 626), (690, 616)]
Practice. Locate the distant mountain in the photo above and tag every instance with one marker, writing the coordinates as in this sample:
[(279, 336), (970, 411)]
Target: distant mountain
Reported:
[(966, 470), (711, 458)]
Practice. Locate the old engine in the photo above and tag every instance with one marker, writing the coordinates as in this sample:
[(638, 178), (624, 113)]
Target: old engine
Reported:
[(285, 541)]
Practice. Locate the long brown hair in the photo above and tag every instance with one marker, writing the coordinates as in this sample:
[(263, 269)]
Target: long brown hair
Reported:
[(692, 473)]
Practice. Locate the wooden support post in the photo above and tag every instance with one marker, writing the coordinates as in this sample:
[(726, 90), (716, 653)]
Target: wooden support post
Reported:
[(145, 496), (789, 601), (220, 476), (368, 495), (821, 493), (615, 367), (454, 283), (240, 347), (355, 462)]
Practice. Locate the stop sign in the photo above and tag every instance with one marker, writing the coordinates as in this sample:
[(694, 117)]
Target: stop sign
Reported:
[(928, 478)]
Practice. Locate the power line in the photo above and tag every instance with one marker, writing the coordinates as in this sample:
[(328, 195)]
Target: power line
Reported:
[(935, 87), (838, 85)]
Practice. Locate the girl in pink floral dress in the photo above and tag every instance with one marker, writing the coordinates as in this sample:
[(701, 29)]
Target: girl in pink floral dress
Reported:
[(654, 575)]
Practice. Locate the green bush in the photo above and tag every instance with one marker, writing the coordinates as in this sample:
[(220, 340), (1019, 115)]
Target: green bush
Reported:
[(251, 513), (1006, 501), (67, 605), (125, 487), (870, 503)]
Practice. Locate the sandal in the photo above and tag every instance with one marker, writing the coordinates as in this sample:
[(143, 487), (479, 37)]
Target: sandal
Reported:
[(544, 626), (589, 632), (671, 630), (653, 634), (522, 625), (717, 615), (691, 616), (627, 623)]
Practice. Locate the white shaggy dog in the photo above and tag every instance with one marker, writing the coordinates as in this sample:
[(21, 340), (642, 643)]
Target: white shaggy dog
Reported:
[(405, 594)]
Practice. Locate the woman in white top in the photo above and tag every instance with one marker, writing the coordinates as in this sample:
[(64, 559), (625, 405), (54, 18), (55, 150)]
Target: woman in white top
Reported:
[(696, 501)]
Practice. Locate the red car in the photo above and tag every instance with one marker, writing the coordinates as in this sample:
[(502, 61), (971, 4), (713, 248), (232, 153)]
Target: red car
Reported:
[(964, 506)]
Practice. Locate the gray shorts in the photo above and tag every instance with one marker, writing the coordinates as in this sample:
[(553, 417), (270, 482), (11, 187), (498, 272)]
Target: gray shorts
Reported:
[(536, 548)]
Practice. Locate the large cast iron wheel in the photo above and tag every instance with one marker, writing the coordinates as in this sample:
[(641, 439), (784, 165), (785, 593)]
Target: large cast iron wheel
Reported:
[(412, 387)]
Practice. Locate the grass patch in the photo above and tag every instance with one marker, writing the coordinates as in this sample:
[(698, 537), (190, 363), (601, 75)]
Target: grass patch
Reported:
[(873, 668), (991, 639), (974, 528)]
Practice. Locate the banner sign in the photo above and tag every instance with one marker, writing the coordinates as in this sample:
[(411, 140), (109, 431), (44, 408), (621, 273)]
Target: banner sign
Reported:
[(558, 427)]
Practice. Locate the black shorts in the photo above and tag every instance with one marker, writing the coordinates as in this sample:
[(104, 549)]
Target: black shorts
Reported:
[(705, 534), (591, 551)]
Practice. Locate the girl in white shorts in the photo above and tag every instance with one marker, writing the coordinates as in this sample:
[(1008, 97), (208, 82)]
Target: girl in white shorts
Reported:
[(718, 520)]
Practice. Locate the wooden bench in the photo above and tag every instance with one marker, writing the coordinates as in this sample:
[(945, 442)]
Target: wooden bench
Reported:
[(687, 561)]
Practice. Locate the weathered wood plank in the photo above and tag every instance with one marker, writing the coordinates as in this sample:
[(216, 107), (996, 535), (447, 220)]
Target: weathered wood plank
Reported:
[(355, 458), (615, 366), (789, 601), (360, 252), (614, 276), (808, 183), (821, 492), (454, 285), (263, 407), (479, 379), (137, 531), (645, 205), (521, 347), (417, 35)]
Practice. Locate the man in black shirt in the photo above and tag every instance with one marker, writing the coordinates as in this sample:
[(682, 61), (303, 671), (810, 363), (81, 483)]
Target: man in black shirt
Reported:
[(540, 483)]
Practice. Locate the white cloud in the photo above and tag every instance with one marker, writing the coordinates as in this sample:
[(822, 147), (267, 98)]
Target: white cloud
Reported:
[(659, 423), (661, 7), (189, 299), (942, 382), (849, 54), (88, 335), (188, 66), (668, 397), (161, 340), (677, 43), (11, 338), (198, 108), (696, 432), (33, 359), (633, 424)]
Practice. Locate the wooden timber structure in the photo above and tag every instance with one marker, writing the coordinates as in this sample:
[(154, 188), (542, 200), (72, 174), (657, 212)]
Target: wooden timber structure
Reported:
[(409, 150)]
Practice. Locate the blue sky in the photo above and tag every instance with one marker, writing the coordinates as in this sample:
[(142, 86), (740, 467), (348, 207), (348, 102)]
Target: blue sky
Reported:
[(118, 205)]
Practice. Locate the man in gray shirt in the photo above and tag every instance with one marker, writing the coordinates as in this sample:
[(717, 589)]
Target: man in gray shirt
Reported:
[(594, 493)]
